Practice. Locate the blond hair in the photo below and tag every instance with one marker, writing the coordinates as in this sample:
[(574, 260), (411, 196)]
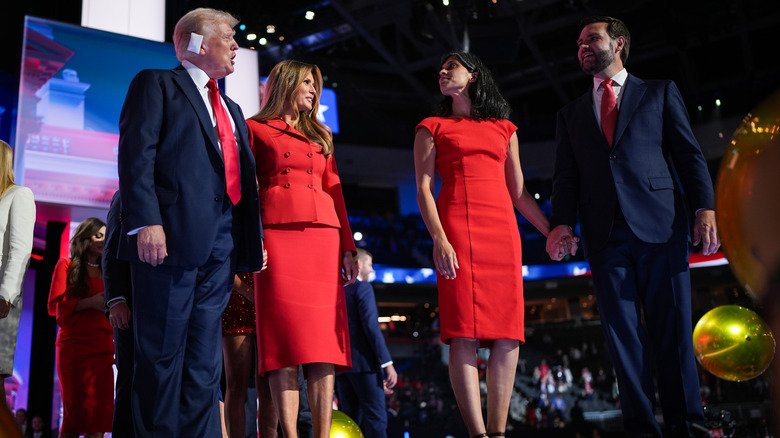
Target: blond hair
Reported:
[(6, 167), (282, 88), (202, 21)]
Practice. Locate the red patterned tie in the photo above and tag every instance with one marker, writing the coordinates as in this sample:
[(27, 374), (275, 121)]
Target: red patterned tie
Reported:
[(229, 146), (609, 111)]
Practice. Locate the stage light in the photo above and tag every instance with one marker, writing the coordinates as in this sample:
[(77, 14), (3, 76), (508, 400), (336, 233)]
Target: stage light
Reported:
[(242, 26), (717, 102), (358, 236), (262, 41), (251, 37), (699, 108), (309, 15), (270, 28)]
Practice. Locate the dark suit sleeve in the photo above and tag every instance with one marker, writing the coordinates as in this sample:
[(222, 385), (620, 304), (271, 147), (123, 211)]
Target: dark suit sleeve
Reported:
[(369, 320), (140, 124), (116, 273), (565, 178), (687, 156)]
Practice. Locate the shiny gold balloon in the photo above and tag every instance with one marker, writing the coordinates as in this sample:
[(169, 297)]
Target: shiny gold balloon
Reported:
[(344, 427), (747, 201), (733, 343)]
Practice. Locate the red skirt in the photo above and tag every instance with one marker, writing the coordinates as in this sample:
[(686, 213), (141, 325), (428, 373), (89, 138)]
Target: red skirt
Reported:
[(301, 309)]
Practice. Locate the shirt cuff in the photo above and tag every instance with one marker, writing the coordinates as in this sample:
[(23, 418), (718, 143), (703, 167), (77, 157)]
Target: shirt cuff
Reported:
[(114, 301), (387, 364)]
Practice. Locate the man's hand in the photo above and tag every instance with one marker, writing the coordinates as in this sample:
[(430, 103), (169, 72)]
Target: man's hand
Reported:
[(120, 316), (391, 379), (705, 230), (5, 307), (151, 245)]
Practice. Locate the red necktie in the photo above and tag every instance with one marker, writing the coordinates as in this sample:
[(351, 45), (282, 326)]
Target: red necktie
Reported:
[(609, 111), (229, 146)]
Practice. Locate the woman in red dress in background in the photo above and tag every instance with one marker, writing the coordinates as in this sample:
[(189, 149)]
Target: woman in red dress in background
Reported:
[(299, 298), (476, 242), (85, 342)]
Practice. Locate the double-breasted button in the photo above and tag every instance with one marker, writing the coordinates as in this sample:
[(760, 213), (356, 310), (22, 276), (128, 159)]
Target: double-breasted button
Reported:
[(309, 171), (308, 185), (286, 170), (286, 186), (310, 154), (287, 154)]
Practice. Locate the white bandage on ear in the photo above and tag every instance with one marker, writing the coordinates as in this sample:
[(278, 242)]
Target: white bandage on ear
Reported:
[(195, 41)]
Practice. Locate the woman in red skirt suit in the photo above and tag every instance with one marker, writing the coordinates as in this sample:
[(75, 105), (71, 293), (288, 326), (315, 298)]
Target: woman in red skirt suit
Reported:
[(85, 341), (301, 312), (476, 242)]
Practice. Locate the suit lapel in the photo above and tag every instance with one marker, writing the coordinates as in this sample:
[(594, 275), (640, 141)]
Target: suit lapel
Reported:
[(633, 90), (190, 91)]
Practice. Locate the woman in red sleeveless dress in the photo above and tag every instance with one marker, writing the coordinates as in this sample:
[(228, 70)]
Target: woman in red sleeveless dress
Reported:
[(85, 341), (476, 242)]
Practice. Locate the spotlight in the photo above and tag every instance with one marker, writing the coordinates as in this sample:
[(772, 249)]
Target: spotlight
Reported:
[(358, 236), (717, 102), (251, 37), (445, 2), (309, 15), (262, 41), (242, 26), (270, 28)]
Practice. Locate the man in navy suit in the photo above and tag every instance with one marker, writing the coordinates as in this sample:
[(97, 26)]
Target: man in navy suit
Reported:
[(192, 219), (361, 390), (119, 299), (636, 191)]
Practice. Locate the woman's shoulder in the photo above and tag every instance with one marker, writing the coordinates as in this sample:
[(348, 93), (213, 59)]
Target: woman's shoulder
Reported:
[(19, 192), (63, 263), (432, 124)]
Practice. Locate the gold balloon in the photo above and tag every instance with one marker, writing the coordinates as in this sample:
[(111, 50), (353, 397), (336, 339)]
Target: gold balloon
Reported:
[(747, 199), (733, 343), (344, 427)]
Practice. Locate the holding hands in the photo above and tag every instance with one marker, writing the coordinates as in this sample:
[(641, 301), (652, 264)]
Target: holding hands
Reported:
[(560, 242)]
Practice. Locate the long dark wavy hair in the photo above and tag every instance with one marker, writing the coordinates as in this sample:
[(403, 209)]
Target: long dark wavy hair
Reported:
[(78, 285), (486, 100)]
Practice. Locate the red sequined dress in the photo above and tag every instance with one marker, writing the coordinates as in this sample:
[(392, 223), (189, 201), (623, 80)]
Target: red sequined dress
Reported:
[(239, 316)]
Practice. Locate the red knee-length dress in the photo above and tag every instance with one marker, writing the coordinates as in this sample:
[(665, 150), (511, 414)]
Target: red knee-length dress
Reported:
[(485, 300), (299, 297), (85, 355)]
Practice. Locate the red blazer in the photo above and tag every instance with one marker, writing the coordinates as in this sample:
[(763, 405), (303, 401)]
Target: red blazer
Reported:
[(296, 182)]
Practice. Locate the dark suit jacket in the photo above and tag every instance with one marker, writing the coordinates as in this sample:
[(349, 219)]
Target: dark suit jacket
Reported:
[(171, 172), (116, 273), (366, 341), (655, 169)]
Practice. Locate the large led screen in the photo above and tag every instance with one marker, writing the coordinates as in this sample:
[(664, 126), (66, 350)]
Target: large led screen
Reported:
[(73, 83)]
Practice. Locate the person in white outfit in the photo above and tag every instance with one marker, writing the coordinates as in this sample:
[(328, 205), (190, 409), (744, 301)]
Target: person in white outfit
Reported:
[(17, 218)]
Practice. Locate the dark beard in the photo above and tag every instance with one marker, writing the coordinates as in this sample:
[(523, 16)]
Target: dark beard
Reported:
[(602, 61)]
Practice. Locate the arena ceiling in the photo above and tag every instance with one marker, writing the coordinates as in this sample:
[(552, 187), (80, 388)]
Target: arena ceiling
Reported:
[(382, 56)]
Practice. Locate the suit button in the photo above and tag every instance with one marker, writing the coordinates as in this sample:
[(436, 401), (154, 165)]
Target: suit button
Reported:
[(216, 198), (286, 154), (286, 186), (309, 154), (309, 186), (309, 171)]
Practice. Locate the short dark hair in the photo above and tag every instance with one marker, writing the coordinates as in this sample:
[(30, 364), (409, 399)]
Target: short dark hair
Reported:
[(615, 29), (486, 100)]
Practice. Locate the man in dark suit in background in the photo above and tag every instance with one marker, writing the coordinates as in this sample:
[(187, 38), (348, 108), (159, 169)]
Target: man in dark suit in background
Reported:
[(191, 211), (629, 166), (360, 391), (119, 301)]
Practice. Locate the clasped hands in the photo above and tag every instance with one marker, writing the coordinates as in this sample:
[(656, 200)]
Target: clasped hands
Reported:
[(561, 241)]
